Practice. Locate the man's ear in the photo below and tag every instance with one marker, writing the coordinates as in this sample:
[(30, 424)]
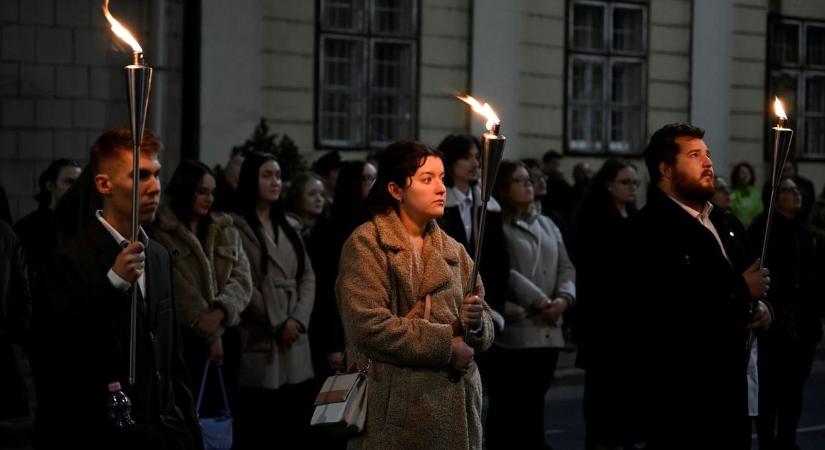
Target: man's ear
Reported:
[(50, 186), (395, 191), (103, 184), (665, 170)]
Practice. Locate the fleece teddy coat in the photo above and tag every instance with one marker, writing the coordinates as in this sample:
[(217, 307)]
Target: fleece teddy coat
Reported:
[(411, 402)]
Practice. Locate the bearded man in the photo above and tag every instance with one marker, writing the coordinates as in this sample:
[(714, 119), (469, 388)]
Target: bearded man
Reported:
[(691, 303)]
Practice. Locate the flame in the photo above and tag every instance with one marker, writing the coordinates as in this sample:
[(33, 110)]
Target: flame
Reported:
[(118, 29), (485, 110), (778, 109)]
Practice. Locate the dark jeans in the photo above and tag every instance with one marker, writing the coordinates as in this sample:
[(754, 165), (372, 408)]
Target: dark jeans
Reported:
[(517, 382), (274, 418), (784, 366)]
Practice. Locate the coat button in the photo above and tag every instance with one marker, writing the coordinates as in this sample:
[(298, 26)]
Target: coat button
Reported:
[(158, 376)]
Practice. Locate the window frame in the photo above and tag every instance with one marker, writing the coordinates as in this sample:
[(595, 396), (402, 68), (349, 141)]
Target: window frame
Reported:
[(368, 38), (608, 57), (800, 72)]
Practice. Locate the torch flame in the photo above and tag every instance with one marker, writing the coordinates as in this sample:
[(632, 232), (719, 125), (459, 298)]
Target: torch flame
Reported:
[(778, 109), (118, 29), (485, 110)]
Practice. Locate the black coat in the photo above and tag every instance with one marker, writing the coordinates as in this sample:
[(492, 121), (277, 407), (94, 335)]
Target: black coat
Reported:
[(495, 266), (83, 329), (688, 319)]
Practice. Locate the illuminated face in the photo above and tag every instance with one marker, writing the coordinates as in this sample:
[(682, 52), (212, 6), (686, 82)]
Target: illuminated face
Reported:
[(269, 181), (423, 199), (788, 198), (65, 179), (520, 192), (623, 188), (465, 170), (721, 196), (539, 181), (204, 196), (368, 174), (312, 198), (115, 185), (233, 170), (693, 171)]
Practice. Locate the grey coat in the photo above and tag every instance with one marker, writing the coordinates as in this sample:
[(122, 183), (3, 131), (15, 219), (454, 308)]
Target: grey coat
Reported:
[(411, 402)]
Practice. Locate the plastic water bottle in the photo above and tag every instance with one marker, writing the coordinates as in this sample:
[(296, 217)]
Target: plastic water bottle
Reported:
[(120, 408)]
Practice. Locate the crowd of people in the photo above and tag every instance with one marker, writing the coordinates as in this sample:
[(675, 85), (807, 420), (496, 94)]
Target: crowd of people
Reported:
[(367, 265)]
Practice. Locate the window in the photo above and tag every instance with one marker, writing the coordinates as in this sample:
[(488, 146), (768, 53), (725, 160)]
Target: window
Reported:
[(366, 72), (797, 75), (606, 76)]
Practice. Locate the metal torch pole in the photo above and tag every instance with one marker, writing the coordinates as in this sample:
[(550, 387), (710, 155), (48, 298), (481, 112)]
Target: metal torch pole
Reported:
[(138, 86)]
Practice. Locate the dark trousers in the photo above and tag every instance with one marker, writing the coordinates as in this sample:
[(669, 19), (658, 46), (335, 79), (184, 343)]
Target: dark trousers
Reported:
[(274, 418), (518, 380), (611, 416), (784, 366)]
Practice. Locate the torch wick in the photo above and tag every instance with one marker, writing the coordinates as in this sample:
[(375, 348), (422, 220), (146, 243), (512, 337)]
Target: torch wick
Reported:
[(137, 58), (782, 121), (496, 129)]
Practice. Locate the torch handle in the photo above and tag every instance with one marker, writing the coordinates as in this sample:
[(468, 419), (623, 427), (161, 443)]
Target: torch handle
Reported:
[(134, 238)]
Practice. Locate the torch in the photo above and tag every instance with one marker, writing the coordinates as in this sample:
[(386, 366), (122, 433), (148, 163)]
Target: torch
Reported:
[(138, 85), (492, 149), (782, 138)]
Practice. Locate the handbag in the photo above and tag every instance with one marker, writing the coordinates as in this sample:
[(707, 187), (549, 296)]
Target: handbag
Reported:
[(341, 405), (216, 431)]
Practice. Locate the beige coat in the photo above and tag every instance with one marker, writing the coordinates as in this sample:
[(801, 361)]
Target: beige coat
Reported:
[(216, 272), (412, 404), (276, 297)]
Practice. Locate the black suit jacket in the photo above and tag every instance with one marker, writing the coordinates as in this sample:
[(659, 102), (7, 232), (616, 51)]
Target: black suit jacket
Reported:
[(689, 320), (83, 327)]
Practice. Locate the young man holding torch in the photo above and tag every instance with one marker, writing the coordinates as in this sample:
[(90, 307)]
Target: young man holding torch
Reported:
[(85, 319), (691, 307)]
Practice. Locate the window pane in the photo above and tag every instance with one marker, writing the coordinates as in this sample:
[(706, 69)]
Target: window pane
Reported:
[(815, 42), (625, 130), (391, 92), (393, 17), (815, 137), (342, 92), (628, 30), (626, 85), (785, 45), (343, 14), (815, 94), (784, 86), (588, 80), (588, 27)]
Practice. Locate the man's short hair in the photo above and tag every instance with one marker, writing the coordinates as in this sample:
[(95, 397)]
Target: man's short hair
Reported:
[(663, 146), (327, 163), (550, 155), (120, 139)]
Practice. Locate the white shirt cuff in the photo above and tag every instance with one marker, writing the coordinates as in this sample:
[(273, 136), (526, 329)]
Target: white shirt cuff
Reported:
[(118, 283)]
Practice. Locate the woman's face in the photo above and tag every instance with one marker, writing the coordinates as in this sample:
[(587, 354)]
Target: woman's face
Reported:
[(423, 199), (721, 197), (312, 198), (788, 199), (623, 188), (465, 170), (204, 198), (539, 181), (367, 179), (269, 181), (520, 191)]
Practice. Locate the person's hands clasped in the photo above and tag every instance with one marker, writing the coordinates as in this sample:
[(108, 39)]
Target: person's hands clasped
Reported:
[(761, 317), (551, 310), (289, 333), (758, 280), (472, 311), (209, 322), (130, 262), (461, 355), (216, 352), (336, 361)]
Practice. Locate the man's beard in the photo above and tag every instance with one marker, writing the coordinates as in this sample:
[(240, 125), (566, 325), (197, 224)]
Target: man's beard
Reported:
[(693, 191)]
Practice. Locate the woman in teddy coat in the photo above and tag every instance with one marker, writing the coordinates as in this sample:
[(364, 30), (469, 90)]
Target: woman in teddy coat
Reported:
[(403, 291), (212, 281)]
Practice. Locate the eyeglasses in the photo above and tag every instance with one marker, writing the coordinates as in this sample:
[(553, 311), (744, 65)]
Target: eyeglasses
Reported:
[(367, 179), (535, 178), (789, 190), (522, 181), (629, 182), (204, 192)]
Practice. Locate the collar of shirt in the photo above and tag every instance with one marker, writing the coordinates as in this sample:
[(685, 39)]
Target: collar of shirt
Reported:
[(142, 237), (462, 198), (701, 216)]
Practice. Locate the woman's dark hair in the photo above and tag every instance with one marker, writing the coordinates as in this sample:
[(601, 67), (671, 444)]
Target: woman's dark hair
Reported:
[(180, 193), (734, 179), (295, 190), (455, 147), (398, 162), (347, 205), (44, 196), (597, 201), (503, 179), (663, 147), (248, 195)]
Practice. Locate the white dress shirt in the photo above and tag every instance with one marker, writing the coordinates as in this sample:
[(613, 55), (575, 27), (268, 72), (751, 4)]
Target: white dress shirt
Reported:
[(465, 208)]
